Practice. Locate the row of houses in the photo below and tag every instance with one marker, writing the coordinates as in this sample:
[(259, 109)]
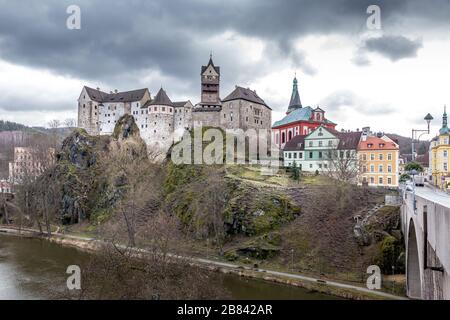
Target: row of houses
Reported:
[(310, 141), (361, 156)]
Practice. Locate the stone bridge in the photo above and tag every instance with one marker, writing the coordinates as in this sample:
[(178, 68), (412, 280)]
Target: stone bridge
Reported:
[(426, 229)]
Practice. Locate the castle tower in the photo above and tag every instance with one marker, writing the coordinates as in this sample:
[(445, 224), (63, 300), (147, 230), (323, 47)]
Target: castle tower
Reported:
[(295, 102), (210, 81)]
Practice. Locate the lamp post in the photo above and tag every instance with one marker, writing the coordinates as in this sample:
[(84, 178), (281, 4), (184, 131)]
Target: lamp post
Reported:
[(428, 119), (413, 173)]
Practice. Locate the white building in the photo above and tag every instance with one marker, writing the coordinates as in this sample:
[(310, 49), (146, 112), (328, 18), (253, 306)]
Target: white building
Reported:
[(99, 111)]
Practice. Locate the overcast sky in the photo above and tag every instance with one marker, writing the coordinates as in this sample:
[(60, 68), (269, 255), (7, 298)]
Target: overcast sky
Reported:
[(387, 79)]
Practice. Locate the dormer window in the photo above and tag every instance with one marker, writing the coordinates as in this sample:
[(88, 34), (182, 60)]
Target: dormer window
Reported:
[(369, 145)]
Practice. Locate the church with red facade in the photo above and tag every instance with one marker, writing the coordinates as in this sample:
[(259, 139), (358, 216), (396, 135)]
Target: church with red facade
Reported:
[(299, 120)]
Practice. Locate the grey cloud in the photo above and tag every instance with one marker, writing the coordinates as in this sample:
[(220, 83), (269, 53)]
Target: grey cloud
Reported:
[(393, 47), (171, 36), (344, 99), (119, 40), (360, 58)]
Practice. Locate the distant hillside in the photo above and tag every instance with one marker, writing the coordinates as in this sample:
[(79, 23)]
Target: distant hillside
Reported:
[(405, 144), (12, 126)]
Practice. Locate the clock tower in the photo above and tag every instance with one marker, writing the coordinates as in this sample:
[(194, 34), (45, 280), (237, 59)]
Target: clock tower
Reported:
[(210, 79)]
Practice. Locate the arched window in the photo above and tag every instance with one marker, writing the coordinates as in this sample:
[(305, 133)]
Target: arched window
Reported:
[(289, 135), (283, 137)]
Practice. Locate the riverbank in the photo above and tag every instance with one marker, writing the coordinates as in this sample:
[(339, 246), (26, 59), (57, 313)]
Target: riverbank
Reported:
[(347, 291)]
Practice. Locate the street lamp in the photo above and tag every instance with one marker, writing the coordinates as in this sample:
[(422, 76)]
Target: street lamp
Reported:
[(428, 119), (413, 173)]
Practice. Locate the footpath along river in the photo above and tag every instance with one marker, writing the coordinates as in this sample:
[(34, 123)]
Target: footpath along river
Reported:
[(36, 269)]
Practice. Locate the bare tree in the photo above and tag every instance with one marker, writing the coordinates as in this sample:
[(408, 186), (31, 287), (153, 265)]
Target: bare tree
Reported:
[(37, 199), (342, 165), (54, 124), (70, 123), (118, 273)]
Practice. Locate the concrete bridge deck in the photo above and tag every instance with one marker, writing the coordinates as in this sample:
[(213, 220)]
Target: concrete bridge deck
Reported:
[(426, 228)]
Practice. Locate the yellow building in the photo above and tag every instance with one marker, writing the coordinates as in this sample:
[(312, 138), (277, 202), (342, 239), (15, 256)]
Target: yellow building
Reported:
[(439, 153), (379, 161)]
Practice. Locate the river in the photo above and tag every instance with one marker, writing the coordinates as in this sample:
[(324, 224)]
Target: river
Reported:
[(35, 269)]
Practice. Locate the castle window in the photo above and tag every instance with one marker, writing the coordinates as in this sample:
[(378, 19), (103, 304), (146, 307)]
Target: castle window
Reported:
[(156, 108), (170, 109), (246, 119), (84, 106), (163, 109), (224, 115), (380, 157), (389, 156)]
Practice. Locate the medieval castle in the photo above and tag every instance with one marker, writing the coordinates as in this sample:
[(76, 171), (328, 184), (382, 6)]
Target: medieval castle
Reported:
[(162, 121)]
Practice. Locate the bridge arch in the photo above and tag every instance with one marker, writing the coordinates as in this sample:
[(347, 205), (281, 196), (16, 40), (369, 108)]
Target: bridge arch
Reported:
[(414, 283)]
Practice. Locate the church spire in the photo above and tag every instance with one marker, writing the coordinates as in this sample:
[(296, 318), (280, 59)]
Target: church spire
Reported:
[(444, 129), (295, 102), (444, 117)]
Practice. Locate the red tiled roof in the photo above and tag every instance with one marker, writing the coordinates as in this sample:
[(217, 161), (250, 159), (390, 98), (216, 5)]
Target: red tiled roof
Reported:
[(375, 143)]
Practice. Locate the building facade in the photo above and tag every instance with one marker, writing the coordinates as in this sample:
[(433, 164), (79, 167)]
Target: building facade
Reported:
[(29, 163), (6, 187), (241, 109), (439, 155), (379, 160), (323, 150), (299, 120), (98, 111)]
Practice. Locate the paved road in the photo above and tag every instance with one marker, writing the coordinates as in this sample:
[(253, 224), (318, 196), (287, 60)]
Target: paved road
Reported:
[(433, 194)]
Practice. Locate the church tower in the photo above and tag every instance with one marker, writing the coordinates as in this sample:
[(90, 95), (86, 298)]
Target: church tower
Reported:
[(210, 79), (295, 102)]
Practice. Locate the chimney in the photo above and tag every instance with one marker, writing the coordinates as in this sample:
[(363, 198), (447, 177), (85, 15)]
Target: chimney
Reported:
[(115, 91), (98, 89), (110, 92)]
